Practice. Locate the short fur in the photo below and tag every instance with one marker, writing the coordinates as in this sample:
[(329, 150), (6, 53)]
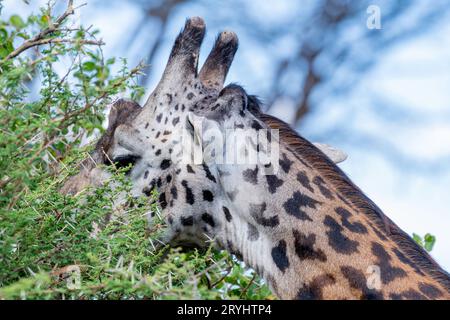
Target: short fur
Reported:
[(347, 189)]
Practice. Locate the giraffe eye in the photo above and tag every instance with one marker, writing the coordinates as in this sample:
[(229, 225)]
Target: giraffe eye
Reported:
[(124, 161)]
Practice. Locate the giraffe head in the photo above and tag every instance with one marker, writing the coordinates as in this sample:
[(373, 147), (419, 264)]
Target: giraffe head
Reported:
[(298, 228), (150, 138), (144, 136)]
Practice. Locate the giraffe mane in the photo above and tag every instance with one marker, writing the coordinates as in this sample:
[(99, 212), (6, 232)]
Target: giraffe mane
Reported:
[(312, 157)]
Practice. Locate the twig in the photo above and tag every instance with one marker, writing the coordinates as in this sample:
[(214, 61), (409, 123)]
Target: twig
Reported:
[(40, 42), (222, 278), (62, 121), (248, 286), (39, 39)]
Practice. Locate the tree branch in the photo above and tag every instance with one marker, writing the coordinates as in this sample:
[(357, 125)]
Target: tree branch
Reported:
[(40, 39), (28, 45)]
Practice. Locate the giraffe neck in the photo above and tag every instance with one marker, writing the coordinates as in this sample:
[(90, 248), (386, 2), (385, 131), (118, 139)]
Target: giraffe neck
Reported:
[(309, 242)]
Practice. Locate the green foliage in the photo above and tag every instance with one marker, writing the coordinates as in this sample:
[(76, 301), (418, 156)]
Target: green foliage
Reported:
[(98, 244), (39, 130), (427, 242), (117, 253)]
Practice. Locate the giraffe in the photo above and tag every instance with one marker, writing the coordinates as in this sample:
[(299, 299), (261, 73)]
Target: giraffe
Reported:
[(303, 226)]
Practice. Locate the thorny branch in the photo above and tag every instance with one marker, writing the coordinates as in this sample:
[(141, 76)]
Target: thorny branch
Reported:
[(40, 38)]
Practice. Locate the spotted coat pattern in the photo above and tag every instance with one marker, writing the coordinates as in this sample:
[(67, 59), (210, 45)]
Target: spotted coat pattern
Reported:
[(305, 228)]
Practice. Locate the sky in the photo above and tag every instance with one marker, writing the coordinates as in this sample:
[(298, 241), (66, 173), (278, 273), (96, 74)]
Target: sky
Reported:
[(414, 75), (417, 75)]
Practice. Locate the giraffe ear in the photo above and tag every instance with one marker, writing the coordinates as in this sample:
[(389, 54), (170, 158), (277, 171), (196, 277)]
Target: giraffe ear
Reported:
[(333, 153), (199, 127), (194, 127), (207, 139)]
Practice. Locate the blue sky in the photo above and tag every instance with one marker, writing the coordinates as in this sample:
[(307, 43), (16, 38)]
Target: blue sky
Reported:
[(414, 75)]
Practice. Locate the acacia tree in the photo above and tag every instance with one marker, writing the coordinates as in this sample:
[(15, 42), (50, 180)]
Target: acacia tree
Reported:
[(87, 246)]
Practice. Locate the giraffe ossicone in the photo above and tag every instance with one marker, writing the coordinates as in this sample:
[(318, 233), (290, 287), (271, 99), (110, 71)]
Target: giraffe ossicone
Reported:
[(305, 228)]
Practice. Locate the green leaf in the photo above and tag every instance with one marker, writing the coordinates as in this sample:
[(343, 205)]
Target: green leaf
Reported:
[(5, 49), (3, 34), (16, 21), (417, 239), (23, 35), (427, 242), (430, 240), (3, 52), (89, 66), (44, 21)]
